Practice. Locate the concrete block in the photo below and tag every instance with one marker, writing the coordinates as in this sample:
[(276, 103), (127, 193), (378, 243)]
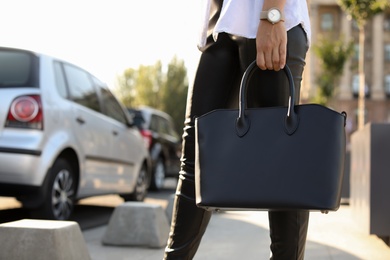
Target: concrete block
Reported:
[(370, 179), (137, 224), (169, 207), (42, 239)]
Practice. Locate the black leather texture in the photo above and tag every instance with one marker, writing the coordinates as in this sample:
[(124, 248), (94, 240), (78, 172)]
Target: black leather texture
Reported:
[(273, 158)]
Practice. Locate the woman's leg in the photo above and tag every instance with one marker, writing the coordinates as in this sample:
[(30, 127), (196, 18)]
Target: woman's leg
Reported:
[(288, 229), (212, 89), (215, 78)]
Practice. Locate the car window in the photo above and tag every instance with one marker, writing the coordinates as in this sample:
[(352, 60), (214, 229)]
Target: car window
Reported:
[(18, 69), (154, 126), (60, 80), (164, 126), (172, 130), (138, 119), (111, 107), (81, 87)]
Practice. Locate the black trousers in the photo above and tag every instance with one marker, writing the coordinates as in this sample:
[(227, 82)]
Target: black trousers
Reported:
[(216, 84)]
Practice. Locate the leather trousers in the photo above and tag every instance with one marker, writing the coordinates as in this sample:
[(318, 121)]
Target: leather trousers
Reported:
[(215, 86)]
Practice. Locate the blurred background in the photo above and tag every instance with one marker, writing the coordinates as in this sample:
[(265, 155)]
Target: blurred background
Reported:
[(145, 50)]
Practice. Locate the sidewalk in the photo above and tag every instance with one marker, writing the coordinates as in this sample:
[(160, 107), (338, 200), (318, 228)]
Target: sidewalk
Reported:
[(245, 235)]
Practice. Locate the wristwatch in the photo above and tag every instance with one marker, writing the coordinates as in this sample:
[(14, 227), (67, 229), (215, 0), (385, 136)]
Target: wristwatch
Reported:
[(273, 15)]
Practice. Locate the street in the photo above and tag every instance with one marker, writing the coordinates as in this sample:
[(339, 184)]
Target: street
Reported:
[(90, 212), (330, 236)]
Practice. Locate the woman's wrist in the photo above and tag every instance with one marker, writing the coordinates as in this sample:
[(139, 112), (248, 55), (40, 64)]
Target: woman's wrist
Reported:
[(272, 15)]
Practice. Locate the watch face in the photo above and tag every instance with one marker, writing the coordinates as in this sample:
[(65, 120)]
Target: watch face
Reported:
[(274, 15)]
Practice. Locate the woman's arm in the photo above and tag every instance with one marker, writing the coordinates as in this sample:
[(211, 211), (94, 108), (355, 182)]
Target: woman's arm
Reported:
[(271, 40)]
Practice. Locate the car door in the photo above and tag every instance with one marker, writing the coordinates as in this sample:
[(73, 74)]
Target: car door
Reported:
[(91, 131), (171, 144), (127, 150)]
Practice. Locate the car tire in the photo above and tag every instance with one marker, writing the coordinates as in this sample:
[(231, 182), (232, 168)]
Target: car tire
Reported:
[(60, 192), (158, 176), (141, 187)]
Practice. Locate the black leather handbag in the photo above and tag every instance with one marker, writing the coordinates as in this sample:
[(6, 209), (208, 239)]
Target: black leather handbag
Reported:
[(274, 158)]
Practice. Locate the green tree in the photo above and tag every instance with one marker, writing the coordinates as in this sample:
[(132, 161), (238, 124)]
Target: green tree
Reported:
[(125, 87), (362, 11), (151, 86), (174, 92), (141, 86), (333, 55)]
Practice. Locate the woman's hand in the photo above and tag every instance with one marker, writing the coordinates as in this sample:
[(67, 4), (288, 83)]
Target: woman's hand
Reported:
[(271, 44)]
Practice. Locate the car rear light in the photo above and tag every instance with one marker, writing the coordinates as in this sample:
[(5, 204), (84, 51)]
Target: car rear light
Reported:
[(26, 112), (147, 136)]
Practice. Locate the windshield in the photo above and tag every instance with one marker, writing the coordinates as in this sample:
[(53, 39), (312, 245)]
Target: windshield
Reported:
[(18, 69)]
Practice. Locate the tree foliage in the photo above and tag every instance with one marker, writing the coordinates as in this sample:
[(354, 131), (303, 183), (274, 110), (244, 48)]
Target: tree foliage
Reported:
[(174, 92), (333, 55), (363, 10), (152, 86)]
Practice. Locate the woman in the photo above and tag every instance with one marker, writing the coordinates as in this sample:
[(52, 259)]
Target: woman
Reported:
[(236, 32)]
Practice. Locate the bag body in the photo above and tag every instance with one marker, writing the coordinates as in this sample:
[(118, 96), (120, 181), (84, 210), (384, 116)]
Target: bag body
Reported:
[(274, 158)]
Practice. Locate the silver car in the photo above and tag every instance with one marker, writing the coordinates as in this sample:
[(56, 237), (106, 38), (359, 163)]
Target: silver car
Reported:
[(64, 136)]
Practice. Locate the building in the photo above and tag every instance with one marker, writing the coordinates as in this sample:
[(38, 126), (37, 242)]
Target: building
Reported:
[(328, 20)]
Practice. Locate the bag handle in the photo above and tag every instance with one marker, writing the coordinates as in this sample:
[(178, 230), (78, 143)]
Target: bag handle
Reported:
[(291, 120)]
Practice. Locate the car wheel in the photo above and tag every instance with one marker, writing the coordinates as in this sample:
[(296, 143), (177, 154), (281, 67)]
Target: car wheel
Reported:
[(60, 192), (141, 187), (158, 177)]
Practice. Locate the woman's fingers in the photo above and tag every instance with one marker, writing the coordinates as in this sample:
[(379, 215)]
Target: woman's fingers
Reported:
[(260, 60), (272, 60), (271, 44)]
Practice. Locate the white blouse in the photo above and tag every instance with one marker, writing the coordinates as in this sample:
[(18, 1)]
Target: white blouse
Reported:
[(241, 18)]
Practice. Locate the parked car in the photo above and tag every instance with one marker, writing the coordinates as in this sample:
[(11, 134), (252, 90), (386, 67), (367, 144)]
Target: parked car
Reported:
[(64, 136), (163, 142)]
